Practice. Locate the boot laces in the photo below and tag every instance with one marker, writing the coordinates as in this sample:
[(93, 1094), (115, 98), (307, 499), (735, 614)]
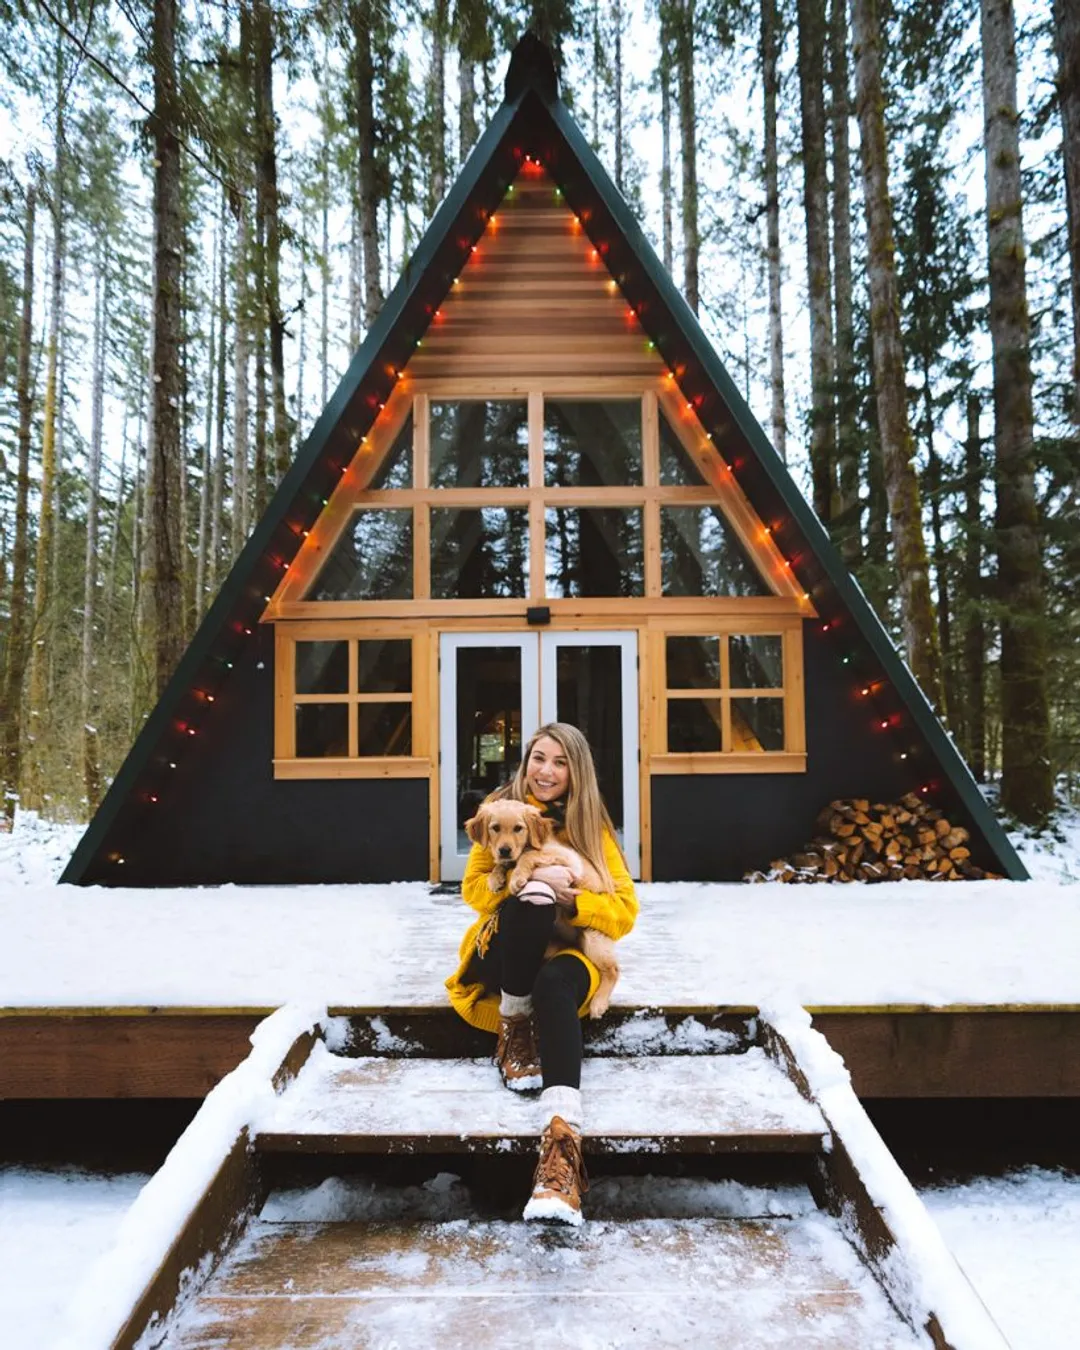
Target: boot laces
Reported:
[(519, 1042), (561, 1164)]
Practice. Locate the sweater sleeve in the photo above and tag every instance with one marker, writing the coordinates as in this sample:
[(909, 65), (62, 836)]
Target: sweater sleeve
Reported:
[(614, 913), (474, 886)]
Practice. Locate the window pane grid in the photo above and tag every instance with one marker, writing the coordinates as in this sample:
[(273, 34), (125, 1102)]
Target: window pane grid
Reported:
[(704, 713), (355, 724)]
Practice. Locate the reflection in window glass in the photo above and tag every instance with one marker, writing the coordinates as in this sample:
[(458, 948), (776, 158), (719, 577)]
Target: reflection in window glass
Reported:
[(385, 667), (756, 662), (479, 554), (322, 667), (701, 554), (593, 551), (373, 559), (677, 469), (757, 724), (693, 663), (384, 729), (395, 471), (322, 729), (693, 725), (592, 443), (479, 443)]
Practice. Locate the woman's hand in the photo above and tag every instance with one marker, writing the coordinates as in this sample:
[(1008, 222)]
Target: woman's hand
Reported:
[(561, 881)]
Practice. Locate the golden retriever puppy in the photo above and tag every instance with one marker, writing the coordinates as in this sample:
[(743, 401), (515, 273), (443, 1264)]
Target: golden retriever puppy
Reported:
[(520, 839)]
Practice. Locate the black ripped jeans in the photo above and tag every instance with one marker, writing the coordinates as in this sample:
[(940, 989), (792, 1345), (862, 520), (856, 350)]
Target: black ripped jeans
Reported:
[(514, 964)]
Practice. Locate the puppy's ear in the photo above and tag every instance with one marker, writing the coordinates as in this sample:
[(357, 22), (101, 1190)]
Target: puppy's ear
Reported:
[(477, 828), (539, 827)]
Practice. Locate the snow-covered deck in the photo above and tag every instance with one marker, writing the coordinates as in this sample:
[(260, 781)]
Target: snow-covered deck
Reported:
[(912, 943)]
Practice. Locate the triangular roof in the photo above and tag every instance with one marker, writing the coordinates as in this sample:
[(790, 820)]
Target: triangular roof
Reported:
[(531, 123)]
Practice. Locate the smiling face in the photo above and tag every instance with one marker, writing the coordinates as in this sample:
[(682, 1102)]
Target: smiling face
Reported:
[(548, 770)]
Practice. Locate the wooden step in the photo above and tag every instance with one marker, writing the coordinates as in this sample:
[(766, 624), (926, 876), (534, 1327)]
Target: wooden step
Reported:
[(687, 1104), (730, 1284)]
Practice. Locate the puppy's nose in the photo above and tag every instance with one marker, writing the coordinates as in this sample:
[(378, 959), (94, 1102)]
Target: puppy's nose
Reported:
[(504, 850)]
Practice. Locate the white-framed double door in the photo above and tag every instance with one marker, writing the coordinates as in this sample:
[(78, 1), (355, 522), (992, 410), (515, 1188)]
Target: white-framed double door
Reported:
[(495, 689)]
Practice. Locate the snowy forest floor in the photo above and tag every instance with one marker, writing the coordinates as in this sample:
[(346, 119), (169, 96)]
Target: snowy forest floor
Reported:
[(1017, 1235)]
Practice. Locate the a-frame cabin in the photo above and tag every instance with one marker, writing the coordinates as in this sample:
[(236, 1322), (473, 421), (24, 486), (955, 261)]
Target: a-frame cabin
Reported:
[(536, 494)]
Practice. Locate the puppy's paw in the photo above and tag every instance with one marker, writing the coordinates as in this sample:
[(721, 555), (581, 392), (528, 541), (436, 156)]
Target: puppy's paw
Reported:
[(496, 880)]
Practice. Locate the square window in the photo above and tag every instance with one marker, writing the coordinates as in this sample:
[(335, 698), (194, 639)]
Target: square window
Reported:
[(384, 729), (693, 663), (693, 725), (592, 443), (756, 662), (322, 730), (322, 668), (757, 724), (479, 443), (700, 554), (385, 666), (593, 551), (479, 554)]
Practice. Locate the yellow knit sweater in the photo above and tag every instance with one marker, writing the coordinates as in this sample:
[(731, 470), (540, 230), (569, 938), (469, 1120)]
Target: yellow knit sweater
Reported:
[(613, 914)]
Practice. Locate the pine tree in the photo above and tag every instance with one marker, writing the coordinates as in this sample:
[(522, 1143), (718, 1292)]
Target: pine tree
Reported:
[(1067, 47), (770, 57), (1026, 784)]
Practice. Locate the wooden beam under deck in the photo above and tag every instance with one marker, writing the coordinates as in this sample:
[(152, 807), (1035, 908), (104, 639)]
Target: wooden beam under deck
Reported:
[(908, 1052)]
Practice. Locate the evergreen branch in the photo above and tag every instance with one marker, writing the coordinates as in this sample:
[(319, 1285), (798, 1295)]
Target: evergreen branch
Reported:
[(111, 74)]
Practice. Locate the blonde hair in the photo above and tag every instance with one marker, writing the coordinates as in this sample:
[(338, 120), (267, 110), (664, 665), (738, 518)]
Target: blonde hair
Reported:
[(586, 815)]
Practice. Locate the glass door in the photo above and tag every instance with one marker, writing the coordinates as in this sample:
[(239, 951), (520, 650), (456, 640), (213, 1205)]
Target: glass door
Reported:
[(489, 705), (497, 688), (590, 680)]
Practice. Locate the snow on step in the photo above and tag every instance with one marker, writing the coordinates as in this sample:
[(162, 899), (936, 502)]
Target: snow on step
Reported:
[(666, 1284), (721, 1102)]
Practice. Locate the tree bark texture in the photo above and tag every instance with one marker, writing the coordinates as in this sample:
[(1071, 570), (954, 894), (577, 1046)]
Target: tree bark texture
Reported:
[(770, 55), (617, 81), (202, 550), (1026, 783), (217, 504), (849, 523), (1067, 47), (685, 26), (812, 27), (164, 560), (897, 442), (667, 190), (974, 631), (362, 16), (437, 105), (88, 674), (271, 237), (16, 645), (241, 361)]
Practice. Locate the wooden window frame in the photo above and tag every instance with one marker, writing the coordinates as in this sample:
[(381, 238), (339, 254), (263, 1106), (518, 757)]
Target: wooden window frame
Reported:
[(287, 764), (792, 759), (658, 398)]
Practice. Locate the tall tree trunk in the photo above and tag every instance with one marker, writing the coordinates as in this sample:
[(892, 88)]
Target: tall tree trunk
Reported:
[(597, 68), (88, 680), (849, 526), (934, 488), (324, 265), (897, 442), (16, 646), (1026, 781), (467, 128), (43, 560), (974, 630), (437, 106), (218, 496), (202, 553), (367, 170), (163, 593), (1067, 46), (770, 55), (617, 81), (241, 362), (685, 32), (271, 214), (667, 190), (356, 274), (818, 264), (109, 590)]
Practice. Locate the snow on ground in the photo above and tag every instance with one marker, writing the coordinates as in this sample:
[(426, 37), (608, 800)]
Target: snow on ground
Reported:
[(52, 1226), (1018, 1239)]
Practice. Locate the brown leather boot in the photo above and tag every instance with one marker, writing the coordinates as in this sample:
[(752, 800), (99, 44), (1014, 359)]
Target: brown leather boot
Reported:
[(517, 1054), (560, 1180)]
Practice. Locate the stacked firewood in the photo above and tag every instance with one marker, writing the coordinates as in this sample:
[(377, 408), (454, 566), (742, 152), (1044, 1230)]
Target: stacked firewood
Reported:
[(855, 840)]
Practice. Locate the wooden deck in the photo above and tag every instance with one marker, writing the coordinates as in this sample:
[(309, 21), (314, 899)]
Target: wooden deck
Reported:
[(731, 1284)]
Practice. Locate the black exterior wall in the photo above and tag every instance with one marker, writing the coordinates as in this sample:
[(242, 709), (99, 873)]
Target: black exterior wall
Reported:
[(227, 819), (719, 827)]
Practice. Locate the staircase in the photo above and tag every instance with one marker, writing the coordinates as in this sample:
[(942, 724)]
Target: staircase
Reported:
[(373, 1203)]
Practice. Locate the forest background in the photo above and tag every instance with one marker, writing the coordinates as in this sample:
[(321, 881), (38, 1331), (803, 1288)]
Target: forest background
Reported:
[(202, 207)]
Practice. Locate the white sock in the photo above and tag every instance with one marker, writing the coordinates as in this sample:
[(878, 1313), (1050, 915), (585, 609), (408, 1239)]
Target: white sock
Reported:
[(562, 1101), (515, 1005)]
